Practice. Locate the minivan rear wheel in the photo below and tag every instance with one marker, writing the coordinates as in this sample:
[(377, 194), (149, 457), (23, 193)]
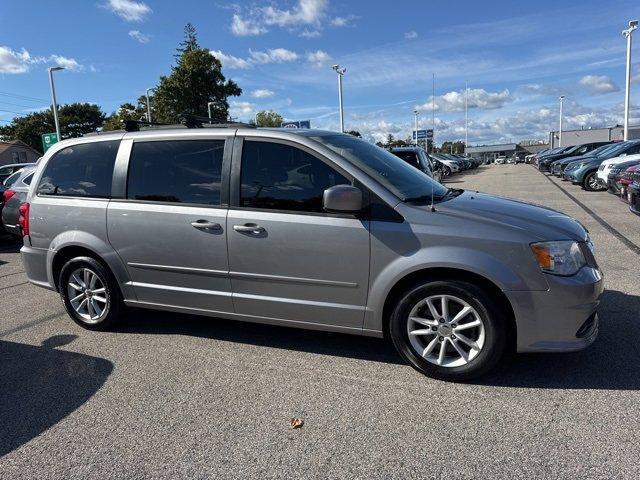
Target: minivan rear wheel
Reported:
[(449, 330), (90, 293)]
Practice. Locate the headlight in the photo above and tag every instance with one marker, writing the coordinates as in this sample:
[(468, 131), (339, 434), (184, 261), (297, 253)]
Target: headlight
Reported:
[(559, 258), (615, 170)]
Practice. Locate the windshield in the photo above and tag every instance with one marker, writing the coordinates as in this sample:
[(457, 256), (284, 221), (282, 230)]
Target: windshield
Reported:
[(403, 180)]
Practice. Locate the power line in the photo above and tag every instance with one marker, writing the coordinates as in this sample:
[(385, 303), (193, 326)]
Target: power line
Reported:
[(18, 105), (23, 97)]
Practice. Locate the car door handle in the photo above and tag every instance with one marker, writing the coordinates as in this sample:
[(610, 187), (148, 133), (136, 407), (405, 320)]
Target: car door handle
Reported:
[(205, 225), (249, 228)]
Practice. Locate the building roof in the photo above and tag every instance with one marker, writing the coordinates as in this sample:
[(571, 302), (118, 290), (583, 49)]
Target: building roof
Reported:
[(16, 143)]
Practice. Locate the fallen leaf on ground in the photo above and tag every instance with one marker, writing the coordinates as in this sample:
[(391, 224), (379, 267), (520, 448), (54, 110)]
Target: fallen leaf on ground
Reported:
[(296, 422)]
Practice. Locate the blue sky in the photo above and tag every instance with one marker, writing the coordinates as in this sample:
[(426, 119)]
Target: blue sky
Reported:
[(516, 60)]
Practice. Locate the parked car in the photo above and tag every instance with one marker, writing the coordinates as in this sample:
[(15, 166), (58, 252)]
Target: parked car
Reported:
[(633, 193), (7, 170), (606, 166), (576, 150), (15, 193), (557, 167), (418, 157), (500, 160), (449, 166), (616, 173), (310, 229), (584, 172), (625, 180)]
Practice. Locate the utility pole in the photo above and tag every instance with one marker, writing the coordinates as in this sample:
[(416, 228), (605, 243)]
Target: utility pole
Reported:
[(53, 99), (633, 24), (560, 130), (433, 112), (466, 115), (340, 71), (149, 105), (415, 112)]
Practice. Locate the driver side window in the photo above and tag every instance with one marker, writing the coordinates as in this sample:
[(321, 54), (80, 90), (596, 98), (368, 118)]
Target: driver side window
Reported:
[(275, 176)]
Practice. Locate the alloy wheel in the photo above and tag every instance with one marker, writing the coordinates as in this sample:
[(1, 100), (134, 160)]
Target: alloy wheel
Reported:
[(445, 330), (88, 295)]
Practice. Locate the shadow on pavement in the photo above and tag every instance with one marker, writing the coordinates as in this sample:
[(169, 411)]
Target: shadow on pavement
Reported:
[(9, 244), (612, 362), (142, 321), (39, 386)]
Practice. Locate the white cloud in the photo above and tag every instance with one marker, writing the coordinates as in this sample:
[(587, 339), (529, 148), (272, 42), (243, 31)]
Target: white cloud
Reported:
[(14, 62), (411, 34), (245, 28), (241, 108), (477, 98), (319, 58), (66, 62), (306, 33), (262, 93), (274, 55), (598, 84), (139, 36), (130, 10), (339, 22), (229, 61), (306, 12)]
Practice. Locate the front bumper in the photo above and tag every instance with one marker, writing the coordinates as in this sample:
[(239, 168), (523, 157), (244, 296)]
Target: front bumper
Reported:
[(570, 176), (561, 319), (633, 198), (613, 186)]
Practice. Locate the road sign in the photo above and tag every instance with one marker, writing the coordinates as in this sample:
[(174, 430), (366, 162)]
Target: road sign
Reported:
[(422, 134), (297, 124), (430, 134), (48, 140)]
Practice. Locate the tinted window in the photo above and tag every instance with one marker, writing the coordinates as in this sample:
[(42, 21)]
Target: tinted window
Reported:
[(410, 157), (83, 170), (10, 180), (281, 177), (180, 171), (27, 179)]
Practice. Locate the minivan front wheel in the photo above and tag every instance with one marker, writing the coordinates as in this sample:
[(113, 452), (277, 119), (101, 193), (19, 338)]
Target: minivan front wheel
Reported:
[(590, 183), (89, 293), (450, 330)]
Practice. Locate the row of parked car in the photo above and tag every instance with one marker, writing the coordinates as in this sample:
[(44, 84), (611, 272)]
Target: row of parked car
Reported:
[(14, 186), (598, 166), (436, 165)]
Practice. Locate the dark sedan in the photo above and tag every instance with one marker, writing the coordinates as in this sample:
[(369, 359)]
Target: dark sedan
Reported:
[(545, 163), (557, 167), (633, 193), (616, 173)]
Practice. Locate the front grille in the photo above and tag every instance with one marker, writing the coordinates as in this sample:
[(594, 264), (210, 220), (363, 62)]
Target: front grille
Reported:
[(588, 326)]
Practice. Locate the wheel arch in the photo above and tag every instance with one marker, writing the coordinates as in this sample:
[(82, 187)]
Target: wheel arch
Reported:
[(449, 273)]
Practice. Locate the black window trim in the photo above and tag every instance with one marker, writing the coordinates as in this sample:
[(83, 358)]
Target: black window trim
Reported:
[(236, 165), (121, 172)]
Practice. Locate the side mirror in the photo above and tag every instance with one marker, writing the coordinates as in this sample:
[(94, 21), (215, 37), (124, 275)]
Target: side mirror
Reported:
[(342, 199)]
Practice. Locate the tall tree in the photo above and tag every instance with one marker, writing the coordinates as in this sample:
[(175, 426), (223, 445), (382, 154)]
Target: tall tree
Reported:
[(195, 80), (126, 111), (268, 118), (76, 119)]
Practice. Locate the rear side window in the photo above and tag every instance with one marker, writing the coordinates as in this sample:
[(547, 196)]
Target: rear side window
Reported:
[(281, 177), (83, 170), (27, 179), (410, 157), (177, 171), (10, 180)]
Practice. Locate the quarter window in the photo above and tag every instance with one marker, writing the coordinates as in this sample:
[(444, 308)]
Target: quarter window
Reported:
[(280, 177), (178, 171), (83, 170)]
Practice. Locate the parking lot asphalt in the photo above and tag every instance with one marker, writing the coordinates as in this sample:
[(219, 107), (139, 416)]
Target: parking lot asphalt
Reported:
[(175, 396)]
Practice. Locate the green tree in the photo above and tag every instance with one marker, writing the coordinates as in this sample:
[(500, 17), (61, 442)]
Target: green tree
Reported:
[(268, 118), (76, 119), (195, 80), (126, 111)]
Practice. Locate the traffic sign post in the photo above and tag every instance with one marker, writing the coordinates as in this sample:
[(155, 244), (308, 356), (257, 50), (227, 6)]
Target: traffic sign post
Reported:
[(296, 124), (48, 140), (422, 134)]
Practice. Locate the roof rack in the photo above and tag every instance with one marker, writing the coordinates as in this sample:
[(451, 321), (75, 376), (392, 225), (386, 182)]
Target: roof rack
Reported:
[(134, 125), (196, 121)]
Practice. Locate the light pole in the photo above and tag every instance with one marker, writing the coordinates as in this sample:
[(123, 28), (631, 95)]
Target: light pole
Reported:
[(633, 24), (415, 112), (209, 110), (53, 99), (149, 105), (466, 115), (433, 112), (340, 72), (560, 129)]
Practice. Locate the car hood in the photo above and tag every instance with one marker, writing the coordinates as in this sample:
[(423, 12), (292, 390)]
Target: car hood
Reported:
[(539, 222)]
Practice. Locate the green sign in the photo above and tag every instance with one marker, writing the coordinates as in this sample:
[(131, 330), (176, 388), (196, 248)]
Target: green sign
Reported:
[(48, 139)]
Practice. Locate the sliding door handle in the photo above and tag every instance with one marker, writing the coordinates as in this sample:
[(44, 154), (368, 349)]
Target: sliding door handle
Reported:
[(249, 228)]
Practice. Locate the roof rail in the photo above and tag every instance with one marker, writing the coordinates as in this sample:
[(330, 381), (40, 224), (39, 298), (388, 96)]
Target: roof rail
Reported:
[(196, 121), (134, 125)]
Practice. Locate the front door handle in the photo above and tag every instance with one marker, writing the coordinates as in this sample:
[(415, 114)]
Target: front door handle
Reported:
[(249, 228), (206, 225)]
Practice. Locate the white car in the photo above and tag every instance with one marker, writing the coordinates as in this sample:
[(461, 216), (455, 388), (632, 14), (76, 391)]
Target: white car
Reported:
[(607, 165)]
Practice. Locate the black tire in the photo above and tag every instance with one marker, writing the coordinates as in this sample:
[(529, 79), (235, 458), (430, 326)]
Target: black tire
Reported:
[(114, 305), (590, 182), (495, 330)]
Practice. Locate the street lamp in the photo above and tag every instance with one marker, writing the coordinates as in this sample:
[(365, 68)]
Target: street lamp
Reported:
[(633, 24), (466, 115), (209, 110), (340, 71), (149, 105), (560, 130), (415, 112), (53, 99)]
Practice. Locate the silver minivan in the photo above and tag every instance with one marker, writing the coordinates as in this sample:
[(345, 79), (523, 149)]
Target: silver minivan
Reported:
[(309, 229)]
